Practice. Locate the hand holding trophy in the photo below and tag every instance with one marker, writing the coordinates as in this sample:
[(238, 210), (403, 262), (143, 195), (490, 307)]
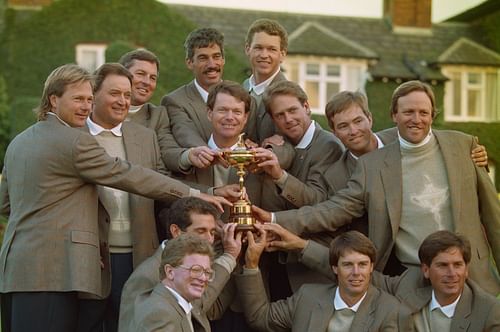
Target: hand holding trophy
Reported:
[(241, 158)]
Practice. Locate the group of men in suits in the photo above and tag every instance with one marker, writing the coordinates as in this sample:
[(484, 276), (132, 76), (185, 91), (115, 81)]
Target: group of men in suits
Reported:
[(421, 181)]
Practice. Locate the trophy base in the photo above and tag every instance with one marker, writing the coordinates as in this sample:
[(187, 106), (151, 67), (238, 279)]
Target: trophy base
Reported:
[(241, 214)]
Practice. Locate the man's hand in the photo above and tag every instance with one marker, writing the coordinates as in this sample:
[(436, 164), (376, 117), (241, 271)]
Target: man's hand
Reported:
[(216, 200), (256, 245), (250, 144), (268, 161), (202, 156), (280, 238), (262, 215), (274, 140), (231, 192), (231, 240), (479, 155)]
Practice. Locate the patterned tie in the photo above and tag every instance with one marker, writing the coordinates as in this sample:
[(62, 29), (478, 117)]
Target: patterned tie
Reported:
[(188, 315)]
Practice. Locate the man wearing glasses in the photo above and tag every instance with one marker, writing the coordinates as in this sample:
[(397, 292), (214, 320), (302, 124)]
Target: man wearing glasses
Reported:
[(185, 272)]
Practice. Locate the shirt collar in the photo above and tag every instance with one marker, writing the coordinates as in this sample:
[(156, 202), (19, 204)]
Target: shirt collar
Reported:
[(339, 304), (95, 129), (185, 305), (259, 89), (308, 136), (203, 92), (380, 145), (408, 145), (212, 145), (60, 120), (447, 310)]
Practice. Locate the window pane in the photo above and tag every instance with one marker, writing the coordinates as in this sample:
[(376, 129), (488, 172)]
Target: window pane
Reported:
[(333, 70), (492, 90), (474, 78), (312, 69), (456, 84), (473, 102), (331, 89), (89, 60), (312, 91), (353, 78), (293, 73)]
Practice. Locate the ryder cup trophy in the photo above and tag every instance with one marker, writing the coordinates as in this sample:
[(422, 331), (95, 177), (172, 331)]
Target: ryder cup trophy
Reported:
[(240, 158)]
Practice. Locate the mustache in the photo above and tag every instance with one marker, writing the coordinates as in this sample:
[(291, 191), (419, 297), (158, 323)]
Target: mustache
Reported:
[(217, 69)]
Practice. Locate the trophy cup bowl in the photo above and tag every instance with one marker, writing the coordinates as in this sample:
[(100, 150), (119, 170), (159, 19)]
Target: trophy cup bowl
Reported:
[(241, 211)]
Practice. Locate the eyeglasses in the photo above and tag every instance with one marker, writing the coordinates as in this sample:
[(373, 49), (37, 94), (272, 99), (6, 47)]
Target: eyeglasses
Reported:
[(196, 271)]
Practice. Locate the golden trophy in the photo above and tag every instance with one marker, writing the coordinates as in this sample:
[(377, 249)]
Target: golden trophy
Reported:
[(240, 158)]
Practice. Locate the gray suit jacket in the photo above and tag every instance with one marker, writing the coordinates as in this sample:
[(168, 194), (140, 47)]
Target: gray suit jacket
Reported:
[(156, 118), (48, 193), (260, 124), (305, 184), (375, 187), (311, 308), (161, 312), (141, 148), (136, 291), (475, 311), (188, 116)]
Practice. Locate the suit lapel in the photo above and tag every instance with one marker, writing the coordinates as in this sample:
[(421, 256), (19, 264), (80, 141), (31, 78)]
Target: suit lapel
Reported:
[(453, 164), (392, 176), (366, 312), (131, 143), (461, 319), (170, 298), (200, 110), (142, 116), (322, 311)]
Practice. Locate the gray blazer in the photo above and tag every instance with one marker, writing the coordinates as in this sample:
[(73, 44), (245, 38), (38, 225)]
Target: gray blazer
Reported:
[(375, 187), (141, 282), (260, 124), (48, 193), (161, 312), (156, 118), (305, 184), (311, 308), (188, 116)]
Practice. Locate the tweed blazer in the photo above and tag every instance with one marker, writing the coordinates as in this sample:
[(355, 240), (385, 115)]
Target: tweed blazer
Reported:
[(260, 124), (141, 282), (188, 116), (161, 312), (48, 193), (475, 311), (305, 184), (376, 188), (311, 308), (141, 148), (156, 118), (339, 173)]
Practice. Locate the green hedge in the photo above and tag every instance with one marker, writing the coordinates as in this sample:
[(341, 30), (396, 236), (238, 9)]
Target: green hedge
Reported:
[(36, 45)]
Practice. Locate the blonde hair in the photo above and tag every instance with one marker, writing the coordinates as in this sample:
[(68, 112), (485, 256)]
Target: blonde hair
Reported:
[(56, 83)]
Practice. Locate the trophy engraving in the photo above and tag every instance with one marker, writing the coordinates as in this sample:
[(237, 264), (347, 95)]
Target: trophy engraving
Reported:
[(240, 158)]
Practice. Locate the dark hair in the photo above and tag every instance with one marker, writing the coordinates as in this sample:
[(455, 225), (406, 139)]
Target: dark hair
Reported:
[(185, 244), (230, 88), (203, 37), (441, 241), (351, 241), (271, 27), (181, 210), (110, 69), (56, 83), (408, 87), (342, 101), (141, 54), (283, 88)]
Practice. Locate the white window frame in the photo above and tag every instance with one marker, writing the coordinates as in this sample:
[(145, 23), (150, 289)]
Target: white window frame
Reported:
[(323, 78), (99, 49), (464, 71)]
